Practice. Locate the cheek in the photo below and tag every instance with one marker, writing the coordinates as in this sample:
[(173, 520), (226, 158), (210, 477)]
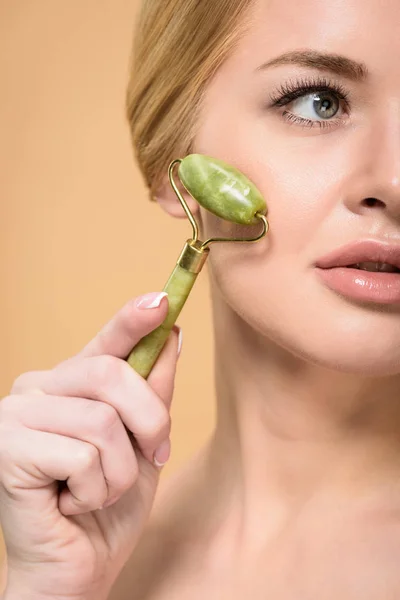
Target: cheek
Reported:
[(301, 178), (271, 284), (281, 300)]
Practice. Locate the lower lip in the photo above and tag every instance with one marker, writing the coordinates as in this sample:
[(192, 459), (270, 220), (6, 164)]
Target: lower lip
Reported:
[(367, 286)]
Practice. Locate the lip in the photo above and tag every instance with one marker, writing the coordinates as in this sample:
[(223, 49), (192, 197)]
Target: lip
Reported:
[(365, 286), (361, 251)]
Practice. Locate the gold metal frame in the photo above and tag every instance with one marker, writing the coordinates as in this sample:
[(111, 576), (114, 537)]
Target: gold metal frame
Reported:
[(195, 242)]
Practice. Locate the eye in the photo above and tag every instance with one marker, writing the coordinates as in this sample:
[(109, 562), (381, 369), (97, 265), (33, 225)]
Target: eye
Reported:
[(312, 102), (319, 105)]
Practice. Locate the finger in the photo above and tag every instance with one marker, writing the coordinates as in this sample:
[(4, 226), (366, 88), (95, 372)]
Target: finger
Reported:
[(38, 459), (87, 488), (120, 335), (93, 422), (162, 376), (30, 380), (112, 381)]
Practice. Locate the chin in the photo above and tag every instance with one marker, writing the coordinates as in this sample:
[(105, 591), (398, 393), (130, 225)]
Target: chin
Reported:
[(344, 360), (347, 340), (338, 338)]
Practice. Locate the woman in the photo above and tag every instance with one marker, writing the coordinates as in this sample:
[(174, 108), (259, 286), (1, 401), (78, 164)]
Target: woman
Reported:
[(296, 494)]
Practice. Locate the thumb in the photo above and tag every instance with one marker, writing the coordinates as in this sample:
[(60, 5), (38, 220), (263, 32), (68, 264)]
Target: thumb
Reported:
[(136, 319)]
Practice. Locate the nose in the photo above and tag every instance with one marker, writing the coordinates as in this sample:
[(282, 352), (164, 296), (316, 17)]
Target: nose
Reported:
[(377, 179)]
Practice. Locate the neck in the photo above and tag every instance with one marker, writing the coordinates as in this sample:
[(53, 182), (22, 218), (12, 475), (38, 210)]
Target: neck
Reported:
[(288, 430)]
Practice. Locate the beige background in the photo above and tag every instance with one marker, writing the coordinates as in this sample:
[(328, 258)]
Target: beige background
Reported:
[(75, 225)]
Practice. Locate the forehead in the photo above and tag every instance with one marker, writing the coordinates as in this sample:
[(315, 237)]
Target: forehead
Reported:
[(366, 29)]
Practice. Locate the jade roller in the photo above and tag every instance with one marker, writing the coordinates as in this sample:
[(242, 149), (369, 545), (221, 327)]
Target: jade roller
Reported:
[(228, 194)]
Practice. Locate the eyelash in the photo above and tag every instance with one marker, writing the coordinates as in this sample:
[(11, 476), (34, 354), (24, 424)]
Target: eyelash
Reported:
[(292, 90)]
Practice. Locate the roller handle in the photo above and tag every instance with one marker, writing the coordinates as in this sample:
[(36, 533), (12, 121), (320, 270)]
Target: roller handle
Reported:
[(145, 353)]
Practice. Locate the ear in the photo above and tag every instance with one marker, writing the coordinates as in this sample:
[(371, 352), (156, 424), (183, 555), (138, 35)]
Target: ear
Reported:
[(168, 200)]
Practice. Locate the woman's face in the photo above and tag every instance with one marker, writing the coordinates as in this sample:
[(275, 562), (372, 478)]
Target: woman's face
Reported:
[(316, 155)]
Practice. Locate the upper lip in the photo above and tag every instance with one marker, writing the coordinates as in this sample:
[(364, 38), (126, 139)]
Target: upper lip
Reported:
[(361, 251)]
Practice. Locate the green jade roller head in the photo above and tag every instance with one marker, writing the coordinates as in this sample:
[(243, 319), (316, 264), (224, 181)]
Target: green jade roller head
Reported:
[(225, 192)]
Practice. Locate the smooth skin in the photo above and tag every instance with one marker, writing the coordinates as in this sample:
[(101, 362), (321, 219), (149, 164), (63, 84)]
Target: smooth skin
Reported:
[(297, 493), (94, 423)]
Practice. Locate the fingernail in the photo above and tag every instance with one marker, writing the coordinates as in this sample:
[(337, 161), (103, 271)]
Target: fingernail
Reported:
[(152, 300), (162, 454), (110, 501), (180, 334)]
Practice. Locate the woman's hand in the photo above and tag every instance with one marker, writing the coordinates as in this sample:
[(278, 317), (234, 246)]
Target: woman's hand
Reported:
[(77, 471)]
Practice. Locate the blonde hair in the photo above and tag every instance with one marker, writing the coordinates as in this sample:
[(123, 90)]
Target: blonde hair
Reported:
[(179, 44)]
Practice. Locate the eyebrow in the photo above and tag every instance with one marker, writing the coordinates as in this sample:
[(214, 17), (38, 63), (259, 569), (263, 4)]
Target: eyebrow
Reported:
[(335, 63)]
